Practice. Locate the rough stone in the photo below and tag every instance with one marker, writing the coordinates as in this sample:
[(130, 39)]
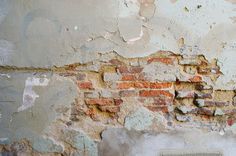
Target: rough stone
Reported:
[(139, 120)]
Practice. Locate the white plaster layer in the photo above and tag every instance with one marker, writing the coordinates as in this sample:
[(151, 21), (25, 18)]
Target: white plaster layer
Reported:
[(29, 95)]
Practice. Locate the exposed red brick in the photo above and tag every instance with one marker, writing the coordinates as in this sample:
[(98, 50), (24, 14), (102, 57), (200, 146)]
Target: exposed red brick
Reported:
[(196, 79), (125, 85), (101, 101), (128, 77), (142, 84), (162, 60), (118, 102), (205, 111), (153, 93), (85, 85), (131, 70), (127, 93), (230, 122), (156, 85)]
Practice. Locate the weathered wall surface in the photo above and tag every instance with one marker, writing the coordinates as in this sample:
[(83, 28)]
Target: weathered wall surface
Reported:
[(148, 71)]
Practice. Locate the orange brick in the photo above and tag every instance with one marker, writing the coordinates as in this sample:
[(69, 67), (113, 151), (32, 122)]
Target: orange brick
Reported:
[(102, 101), (142, 84), (169, 61), (85, 85), (128, 78), (156, 85), (125, 85), (153, 93), (196, 79)]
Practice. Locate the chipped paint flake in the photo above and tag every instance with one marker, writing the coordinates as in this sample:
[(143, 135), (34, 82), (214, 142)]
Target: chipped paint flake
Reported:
[(29, 95)]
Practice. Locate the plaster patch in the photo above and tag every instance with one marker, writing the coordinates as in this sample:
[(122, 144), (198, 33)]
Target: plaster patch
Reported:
[(29, 95)]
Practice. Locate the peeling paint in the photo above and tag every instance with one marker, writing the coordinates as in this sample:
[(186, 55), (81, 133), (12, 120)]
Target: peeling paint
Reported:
[(29, 95)]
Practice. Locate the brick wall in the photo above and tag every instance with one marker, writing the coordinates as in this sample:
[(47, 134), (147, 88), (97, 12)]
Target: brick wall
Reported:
[(171, 85)]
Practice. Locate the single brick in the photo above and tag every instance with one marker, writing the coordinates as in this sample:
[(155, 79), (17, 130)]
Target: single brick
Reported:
[(128, 77), (128, 93), (206, 103), (85, 85), (185, 94), (205, 111), (131, 70), (101, 101), (156, 85), (125, 85), (168, 61), (196, 79), (153, 93), (221, 103)]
